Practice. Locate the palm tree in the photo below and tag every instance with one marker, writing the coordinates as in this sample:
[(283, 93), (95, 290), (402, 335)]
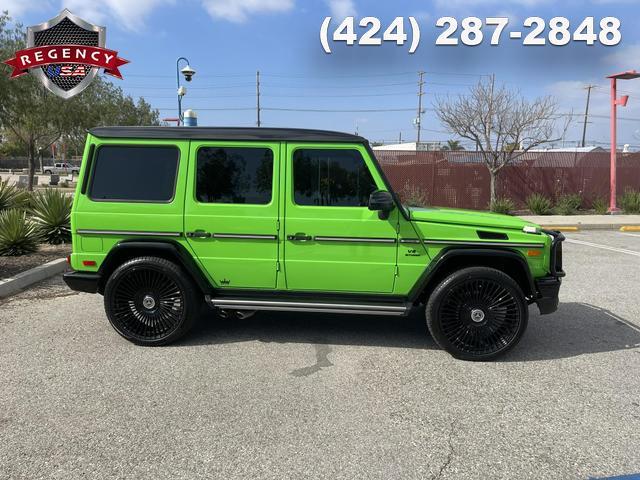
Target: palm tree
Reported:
[(453, 145)]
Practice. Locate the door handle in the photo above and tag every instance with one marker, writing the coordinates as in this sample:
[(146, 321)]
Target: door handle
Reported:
[(300, 237), (198, 234)]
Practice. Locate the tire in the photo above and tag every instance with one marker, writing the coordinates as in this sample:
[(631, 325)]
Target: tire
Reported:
[(150, 301), (47, 172), (477, 313)]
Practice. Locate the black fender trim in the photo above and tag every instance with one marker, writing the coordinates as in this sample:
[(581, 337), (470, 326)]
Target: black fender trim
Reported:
[(447, 254), (165, 248)]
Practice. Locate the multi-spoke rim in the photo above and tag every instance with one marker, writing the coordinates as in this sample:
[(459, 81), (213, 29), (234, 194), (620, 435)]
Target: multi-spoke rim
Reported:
[(147, 304), (480, 316)]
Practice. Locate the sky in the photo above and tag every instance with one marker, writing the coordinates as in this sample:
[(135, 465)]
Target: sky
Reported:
[(368, 89)]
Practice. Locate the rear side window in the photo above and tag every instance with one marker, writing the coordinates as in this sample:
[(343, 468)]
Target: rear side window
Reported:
[(234, 175), (136, 174), (338, 178)]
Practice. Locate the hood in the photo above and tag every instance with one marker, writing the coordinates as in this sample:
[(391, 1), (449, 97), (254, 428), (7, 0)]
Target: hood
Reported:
[(466, 217)]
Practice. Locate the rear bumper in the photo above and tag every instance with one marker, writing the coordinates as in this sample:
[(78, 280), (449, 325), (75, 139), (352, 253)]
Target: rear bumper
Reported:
[(548, 291), (82, 281)]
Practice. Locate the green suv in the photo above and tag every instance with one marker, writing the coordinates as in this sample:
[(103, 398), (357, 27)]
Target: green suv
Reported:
[(167, 219)]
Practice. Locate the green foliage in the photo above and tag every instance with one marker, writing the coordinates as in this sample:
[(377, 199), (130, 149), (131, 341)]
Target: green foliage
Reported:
[(600, 205), (453, 145), (11, 196), (502, 205), (414, 196), (569, 204), (18, 234), (51, 213), (539, 204), (630, 201)]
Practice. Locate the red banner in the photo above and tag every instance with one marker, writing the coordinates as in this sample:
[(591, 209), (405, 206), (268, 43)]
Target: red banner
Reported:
[(54, 54)]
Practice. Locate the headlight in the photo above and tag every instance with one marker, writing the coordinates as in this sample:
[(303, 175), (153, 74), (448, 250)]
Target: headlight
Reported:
[(531, 229)]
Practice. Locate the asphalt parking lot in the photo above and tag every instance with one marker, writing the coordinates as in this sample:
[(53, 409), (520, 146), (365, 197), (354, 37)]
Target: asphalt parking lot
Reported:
[(304, 396)]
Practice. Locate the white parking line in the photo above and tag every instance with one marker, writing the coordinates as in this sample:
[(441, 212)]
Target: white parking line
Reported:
[(631, 234), (603, 247)]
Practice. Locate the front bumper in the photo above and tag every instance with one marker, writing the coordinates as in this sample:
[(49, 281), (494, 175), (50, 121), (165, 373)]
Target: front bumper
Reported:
[(548, 291), (549, 287), (82, 281)]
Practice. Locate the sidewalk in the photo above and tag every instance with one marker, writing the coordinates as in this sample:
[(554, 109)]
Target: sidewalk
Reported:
[(586, 222)]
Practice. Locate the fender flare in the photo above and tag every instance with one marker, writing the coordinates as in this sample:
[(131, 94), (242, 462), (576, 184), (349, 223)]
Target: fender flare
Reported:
[(165, 248), (439, 263)]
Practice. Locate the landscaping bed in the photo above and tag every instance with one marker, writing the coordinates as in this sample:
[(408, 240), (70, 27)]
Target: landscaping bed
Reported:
[(10, 266)]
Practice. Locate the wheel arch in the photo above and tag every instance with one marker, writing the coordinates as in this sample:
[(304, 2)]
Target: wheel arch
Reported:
[(169, 250), (452, 259)]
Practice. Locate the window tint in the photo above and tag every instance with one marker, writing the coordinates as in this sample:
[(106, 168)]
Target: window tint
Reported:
[(234, 175), (139, 174), (332, 178)]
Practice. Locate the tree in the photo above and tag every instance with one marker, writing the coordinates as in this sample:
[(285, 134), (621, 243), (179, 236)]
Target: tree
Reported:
[(495, 119), (453, 145)]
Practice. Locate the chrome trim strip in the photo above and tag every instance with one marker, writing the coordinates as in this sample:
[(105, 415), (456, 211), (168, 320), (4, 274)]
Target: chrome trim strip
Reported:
[(354, 239), (306, 309), (246, 236), (128, 232), (483, 244), (253, 304), (410, 240)]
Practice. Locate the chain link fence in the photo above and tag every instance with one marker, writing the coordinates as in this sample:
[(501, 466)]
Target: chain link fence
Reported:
[(461, 179)]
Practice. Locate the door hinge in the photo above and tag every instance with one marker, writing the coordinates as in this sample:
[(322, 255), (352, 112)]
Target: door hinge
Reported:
[(397, 271), (277, 266), (278, 225), (398, 227)]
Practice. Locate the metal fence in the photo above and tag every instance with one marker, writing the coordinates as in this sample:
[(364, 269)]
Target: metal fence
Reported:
[(461, 179)]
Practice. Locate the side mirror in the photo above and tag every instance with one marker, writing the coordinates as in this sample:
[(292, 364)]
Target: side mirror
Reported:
[(382, 202)]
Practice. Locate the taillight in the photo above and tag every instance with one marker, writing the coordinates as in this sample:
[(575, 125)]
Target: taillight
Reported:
[(68, 259), (89, 263)]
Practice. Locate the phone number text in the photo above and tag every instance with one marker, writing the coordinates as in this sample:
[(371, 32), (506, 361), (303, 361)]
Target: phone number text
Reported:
[(470, 31)]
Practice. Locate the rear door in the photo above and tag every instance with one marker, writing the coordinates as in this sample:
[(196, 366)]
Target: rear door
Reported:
[(333, 241), (231, 211)]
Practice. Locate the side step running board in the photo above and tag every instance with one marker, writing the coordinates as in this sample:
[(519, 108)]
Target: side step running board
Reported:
[(325, 307)]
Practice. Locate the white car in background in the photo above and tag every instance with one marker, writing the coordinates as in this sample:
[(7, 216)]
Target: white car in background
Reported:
[(61, 169)]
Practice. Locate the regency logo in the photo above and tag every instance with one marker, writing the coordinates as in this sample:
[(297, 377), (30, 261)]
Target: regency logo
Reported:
[(65, 53)]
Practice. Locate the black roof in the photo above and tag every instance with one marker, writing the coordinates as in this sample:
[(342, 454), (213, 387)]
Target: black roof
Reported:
[(226, 133)]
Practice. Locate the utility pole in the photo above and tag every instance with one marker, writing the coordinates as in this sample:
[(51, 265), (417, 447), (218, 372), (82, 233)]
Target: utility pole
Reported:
[(419, 118), (586, 115), (400, 137), (258, 97)]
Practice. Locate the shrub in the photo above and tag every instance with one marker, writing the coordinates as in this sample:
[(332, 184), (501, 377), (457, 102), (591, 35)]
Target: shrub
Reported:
[(630, 201), (569, 204), (51, 213), (414, 196), (502, 205), (11, 196), (18, 234), (600, 205), (539, 204)]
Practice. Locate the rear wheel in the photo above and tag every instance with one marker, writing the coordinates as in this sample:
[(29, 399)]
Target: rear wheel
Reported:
[(477, 313), (150, 301)]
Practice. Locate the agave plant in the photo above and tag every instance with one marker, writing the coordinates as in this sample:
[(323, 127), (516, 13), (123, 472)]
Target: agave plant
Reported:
[(51, 213), (18, 234), (11, 196)]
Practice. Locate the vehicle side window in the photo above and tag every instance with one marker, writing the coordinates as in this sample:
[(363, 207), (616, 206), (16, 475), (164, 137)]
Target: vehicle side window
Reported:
[(135, 173), (338, 178), (234, 175)]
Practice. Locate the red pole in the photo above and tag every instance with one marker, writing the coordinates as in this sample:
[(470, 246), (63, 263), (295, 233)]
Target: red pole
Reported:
[(614, 107)]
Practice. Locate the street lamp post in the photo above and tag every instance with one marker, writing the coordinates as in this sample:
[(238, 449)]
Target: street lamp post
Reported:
[(188, 74), (615, 101)]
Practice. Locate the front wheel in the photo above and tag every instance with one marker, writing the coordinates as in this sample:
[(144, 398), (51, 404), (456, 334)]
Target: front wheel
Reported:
[(477, 313), (150, 301)]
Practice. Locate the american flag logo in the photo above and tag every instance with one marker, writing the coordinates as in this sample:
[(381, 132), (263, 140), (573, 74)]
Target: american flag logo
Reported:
[(73, 71)]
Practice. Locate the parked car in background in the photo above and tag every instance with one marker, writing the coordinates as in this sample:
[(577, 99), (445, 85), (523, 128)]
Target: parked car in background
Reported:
[(61, 168)]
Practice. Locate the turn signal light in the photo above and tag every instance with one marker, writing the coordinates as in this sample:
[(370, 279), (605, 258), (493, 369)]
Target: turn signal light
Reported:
[(89, 263), (534, 253)]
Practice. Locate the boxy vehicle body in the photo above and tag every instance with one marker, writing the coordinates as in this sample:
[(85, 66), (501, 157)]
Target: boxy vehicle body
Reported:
[(244, 220)]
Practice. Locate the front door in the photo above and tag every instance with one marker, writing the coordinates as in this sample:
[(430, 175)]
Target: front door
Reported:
[(231, 212), (333, 242)]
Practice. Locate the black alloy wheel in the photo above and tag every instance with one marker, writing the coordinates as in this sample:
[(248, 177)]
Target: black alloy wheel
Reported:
[(150, 301), (477, 313)]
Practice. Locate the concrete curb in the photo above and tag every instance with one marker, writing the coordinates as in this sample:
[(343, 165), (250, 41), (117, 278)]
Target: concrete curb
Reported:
[(9, 286)]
